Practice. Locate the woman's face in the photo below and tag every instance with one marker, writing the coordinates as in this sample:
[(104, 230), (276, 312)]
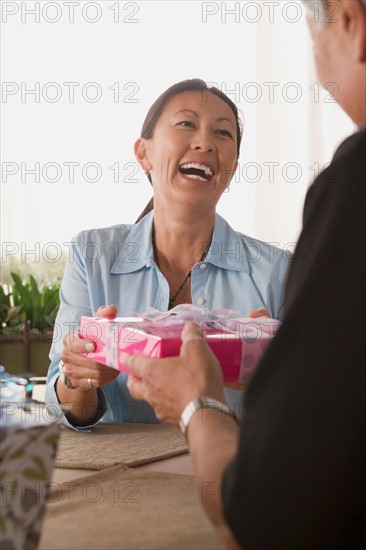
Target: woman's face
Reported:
[(192, 154)]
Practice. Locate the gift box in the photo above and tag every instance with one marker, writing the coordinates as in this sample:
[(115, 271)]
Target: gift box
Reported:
[(28, 439), (238, 342)]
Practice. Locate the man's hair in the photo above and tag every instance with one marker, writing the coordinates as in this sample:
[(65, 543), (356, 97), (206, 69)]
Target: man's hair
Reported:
[(324, 5)]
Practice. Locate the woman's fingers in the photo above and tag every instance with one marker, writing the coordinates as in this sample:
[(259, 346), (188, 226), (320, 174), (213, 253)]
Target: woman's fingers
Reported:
[(73, 343), (100, 374), (73, 370), (261, 312), (106, 311), (76, 344), (77, 365)]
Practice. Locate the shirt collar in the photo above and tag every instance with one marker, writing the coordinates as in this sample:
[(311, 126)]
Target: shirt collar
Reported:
[(227, 250), (136, 251)]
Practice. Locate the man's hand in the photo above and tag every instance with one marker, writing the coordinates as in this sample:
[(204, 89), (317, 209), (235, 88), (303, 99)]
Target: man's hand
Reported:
[(169, 384)]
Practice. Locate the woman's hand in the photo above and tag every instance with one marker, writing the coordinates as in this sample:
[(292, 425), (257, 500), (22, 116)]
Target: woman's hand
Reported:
[(261, 312), (77, 366), (170, 384)]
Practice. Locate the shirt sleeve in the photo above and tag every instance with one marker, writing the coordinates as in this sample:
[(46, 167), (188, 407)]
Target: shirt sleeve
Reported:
[(277, 284), (53, 403), (74, 302), (269, 277)]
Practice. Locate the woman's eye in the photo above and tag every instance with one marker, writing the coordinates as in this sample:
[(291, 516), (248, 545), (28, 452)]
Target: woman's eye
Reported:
[(225, 133), (186, 124)]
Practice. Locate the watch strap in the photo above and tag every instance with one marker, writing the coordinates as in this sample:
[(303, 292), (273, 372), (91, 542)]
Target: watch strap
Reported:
[(202, 402)]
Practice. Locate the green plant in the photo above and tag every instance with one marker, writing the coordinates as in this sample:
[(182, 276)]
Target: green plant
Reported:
[(25, 301)]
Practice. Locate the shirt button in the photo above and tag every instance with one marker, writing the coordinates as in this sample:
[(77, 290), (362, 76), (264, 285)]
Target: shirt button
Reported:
[(203, 266), (199, 301)]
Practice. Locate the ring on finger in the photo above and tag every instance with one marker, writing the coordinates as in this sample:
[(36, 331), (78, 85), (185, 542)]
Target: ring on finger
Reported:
[(90, 383)]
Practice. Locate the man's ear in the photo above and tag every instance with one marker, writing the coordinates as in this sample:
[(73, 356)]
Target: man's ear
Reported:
[(141, 154), (354, 15)]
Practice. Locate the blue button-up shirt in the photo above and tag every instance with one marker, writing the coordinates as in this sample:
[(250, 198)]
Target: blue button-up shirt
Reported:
[(116, 265)]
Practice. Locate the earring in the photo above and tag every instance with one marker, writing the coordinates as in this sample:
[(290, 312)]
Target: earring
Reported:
[(147, 173)]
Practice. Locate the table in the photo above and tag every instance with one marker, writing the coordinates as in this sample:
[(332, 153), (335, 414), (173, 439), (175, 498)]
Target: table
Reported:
[(154, 505), (181, 464)]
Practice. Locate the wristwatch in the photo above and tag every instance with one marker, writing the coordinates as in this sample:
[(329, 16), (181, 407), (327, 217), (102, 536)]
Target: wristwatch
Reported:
[(200, 403), (65, 380)]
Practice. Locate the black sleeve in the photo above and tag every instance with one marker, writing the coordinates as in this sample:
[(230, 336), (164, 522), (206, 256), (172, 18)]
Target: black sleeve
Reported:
[(299, 477)]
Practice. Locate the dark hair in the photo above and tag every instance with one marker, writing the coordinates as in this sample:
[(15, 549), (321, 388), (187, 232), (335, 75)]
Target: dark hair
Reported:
[(157, 108)]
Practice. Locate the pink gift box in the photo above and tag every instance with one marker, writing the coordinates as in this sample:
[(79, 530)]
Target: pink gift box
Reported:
[(236, 341)]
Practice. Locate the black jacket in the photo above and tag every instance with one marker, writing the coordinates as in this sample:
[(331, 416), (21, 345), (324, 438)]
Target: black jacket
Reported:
[(299, 478)]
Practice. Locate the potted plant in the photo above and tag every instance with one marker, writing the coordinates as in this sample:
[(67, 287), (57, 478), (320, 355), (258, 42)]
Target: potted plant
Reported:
[(29, 301)]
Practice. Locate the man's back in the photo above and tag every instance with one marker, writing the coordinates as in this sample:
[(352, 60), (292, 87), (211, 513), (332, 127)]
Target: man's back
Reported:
[(302, 460)]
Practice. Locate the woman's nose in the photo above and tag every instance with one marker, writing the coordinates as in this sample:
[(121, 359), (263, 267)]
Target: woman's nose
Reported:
[(203, 142)]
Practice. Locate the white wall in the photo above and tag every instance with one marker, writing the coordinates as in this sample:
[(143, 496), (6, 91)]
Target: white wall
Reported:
[(249, 49)]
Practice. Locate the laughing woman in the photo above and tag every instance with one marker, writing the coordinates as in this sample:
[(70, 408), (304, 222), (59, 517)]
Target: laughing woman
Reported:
[(180, 251)]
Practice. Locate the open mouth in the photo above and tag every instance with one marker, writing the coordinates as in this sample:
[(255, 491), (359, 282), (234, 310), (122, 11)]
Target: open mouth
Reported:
[(196, 171)]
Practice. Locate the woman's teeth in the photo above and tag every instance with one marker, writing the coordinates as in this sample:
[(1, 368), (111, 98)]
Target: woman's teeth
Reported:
[(196, 177), (196, 171)]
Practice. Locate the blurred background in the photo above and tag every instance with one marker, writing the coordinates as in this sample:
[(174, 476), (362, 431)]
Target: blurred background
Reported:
[(79, 77), (77, 80)]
